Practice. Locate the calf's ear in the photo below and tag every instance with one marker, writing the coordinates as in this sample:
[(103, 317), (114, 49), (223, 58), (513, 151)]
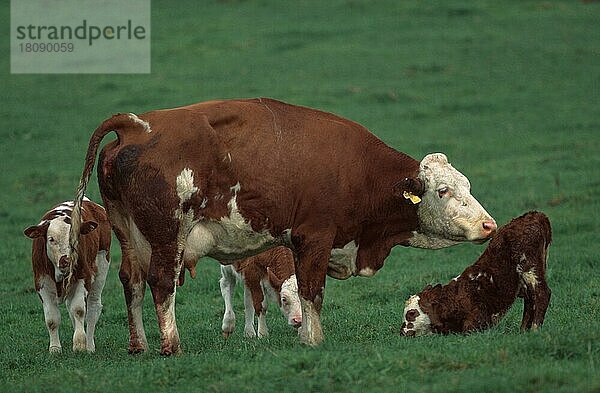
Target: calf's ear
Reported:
[(35, 231), (88, 226), (274, 280), (409, 186)]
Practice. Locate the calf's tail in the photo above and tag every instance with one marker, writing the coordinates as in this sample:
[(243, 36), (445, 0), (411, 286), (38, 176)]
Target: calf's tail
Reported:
[(120, 123)]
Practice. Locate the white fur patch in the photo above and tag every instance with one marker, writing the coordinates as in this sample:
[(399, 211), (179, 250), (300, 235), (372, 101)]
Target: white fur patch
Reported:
[(185, 185), (57, 244), (530, 278), (141, 122)]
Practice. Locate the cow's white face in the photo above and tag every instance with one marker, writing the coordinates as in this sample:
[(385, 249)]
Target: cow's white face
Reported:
[(290, 301), (448, 213), (416, 322), (57, 246)]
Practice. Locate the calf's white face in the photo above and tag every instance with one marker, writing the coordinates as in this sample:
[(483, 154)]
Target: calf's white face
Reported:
[(56, 232), (448, 213), (290, 301), (416, 322)]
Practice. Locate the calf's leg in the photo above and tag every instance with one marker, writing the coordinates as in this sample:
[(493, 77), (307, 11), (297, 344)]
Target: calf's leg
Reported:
[(248, 313), (49, 298), (227, 284)]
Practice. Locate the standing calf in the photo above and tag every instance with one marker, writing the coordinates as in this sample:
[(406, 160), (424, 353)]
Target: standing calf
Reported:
[(514, 264), (57, 279), (270, 274)]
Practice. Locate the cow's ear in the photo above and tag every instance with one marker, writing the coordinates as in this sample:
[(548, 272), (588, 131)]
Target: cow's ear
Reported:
[(274, 280), (35, 231), (88, 226), (409, 186)]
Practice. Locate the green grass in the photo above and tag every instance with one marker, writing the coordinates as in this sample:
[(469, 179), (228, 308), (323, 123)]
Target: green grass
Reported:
[(510, 91)]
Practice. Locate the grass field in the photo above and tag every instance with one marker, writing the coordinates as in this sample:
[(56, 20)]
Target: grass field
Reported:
[(510, 91)]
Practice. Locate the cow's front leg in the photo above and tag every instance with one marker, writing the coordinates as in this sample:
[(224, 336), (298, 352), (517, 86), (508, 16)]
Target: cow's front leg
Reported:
[(311, 271), (75, 302), (134, 288), (165, 266), (49, 298)]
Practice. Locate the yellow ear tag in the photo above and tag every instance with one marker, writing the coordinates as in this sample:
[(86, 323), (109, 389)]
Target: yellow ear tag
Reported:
[(413, 198)]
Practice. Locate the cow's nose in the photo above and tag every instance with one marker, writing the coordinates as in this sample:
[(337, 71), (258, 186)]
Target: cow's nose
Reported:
[(297, 322), (63, 262), (489, 227)]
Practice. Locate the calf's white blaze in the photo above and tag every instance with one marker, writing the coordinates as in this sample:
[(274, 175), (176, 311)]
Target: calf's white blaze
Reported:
[(57, 244)]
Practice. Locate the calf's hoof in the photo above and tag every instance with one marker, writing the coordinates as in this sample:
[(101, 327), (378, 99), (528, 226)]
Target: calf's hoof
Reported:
[(54, 349), (226, 334)]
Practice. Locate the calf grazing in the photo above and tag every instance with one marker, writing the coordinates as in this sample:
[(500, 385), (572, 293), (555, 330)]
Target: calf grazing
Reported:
[(230, 179), (270, 274), (514, 264), (57, 279)]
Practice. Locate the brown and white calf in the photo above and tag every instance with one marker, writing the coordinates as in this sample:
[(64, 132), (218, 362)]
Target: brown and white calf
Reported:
[(79, 285), (514, 264), (230, 179), (269, 275)]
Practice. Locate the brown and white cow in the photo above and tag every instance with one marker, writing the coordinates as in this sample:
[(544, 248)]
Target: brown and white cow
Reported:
[(514, 264), (79, 285), (230, 179), (267, 276)]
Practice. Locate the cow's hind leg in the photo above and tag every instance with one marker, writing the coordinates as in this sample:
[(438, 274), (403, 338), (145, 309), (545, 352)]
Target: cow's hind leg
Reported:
[(165, 265), (76, 306), (94, 299), (133, 280), (528, 309)]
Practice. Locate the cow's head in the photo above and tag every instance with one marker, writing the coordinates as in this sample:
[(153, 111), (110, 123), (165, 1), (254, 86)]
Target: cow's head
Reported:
[(447, 212), (289, 301), (56, 233)]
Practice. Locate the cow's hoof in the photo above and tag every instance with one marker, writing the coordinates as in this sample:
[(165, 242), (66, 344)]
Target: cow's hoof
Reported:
[(226, 334), (136, 349), (55, 349), (170, 351)]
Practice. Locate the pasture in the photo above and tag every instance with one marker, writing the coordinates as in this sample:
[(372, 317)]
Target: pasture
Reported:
[(510, 91)]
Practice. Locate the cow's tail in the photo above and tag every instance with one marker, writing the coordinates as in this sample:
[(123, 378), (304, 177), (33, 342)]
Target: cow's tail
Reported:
[(120, 123)]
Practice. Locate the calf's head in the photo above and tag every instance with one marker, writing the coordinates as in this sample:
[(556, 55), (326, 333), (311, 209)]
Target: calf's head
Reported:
[(289, 301), (56, 234), (416, 320), (447, 212)]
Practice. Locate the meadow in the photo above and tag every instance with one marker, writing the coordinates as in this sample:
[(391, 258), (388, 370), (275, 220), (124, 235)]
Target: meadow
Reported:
[(509, 90)]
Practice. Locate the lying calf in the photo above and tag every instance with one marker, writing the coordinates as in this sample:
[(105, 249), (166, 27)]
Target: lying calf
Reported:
[(514, 264), (52, 268), (270, 274)]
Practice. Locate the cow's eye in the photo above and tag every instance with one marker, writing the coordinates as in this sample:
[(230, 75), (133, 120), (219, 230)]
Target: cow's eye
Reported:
[(283, 300), (442, 191), (51, 239)]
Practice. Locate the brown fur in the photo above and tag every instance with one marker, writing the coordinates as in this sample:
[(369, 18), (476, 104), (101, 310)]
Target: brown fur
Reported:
[(276, 265), (474, 303)]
